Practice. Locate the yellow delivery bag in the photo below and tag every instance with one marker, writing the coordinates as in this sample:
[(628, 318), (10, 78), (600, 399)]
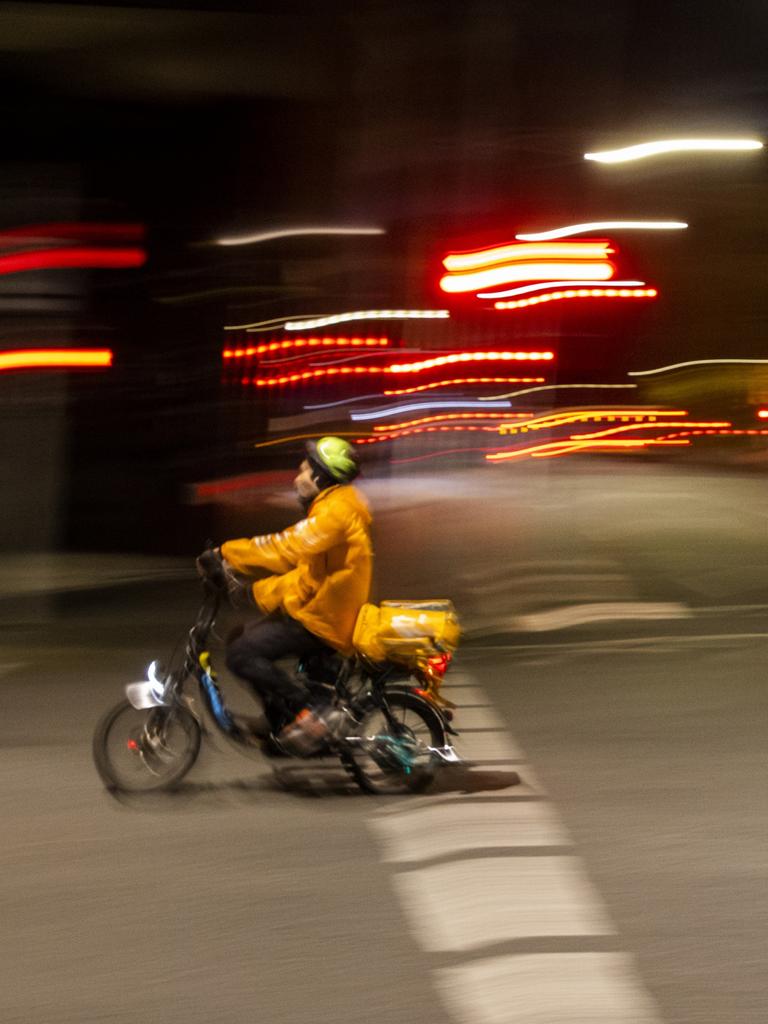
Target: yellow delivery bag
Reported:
[(406, 631)]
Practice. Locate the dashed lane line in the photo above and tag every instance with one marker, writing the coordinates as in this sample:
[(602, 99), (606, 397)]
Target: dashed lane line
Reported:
[(494, 893)]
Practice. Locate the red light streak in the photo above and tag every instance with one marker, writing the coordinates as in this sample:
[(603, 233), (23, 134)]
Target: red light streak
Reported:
[(90, 232), (280, 346), (465, 380), (416, 367), (579, 293), (596, 249), (74, 256), (55, 359), (542, 271)]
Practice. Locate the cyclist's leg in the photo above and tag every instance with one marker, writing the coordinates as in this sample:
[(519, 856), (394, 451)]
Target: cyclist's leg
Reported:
[(252, 656)]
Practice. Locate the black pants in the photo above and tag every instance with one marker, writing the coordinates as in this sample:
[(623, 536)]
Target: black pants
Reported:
[(252, 655)]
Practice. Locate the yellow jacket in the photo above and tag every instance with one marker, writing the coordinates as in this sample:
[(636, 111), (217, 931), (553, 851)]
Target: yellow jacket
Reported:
[(324, 565)]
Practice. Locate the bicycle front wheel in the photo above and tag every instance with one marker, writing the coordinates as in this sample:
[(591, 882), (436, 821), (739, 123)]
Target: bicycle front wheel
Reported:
[(393, 756), (137, 751)]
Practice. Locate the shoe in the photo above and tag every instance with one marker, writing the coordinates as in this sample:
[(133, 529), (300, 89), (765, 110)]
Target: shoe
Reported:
[(305, 733)]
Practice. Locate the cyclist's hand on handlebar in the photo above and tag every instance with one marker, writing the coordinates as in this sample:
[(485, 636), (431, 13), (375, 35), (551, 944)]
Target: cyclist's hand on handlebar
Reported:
[(210, 565)]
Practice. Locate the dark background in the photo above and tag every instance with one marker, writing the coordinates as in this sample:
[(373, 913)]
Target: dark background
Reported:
[(448, 124)]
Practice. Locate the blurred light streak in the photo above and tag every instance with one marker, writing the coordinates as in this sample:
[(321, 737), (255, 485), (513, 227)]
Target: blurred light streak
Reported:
[(516, 251), (300, 437), (257, 323), (55, 359), (474, 380), (469, 357), (526, 289), (746, 432), (559, 419), (281, 346), (762, 414), (344, 401), (692, 362), (396, 410), (555, 448), (642, 426), (268, 236), (395, 434), (71, 257), (454, 416), (646, 149), (551, 387), (437, 455), (602, 225), (476, 281), (73, 230), (580, 293), (368, 314), (425, 364)]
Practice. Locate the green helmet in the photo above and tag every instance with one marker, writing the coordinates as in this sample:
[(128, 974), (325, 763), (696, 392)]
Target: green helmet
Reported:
[(335, 457)]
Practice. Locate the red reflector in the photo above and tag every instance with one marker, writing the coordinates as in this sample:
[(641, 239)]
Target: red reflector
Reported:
[(421, 693), (439, 663), (133, 745)]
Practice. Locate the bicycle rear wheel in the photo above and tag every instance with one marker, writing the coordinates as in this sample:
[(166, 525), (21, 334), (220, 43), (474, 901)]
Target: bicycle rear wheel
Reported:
[(137, 751), (387, 760)]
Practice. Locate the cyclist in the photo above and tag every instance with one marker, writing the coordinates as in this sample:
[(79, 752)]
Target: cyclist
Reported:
[(321, 578)]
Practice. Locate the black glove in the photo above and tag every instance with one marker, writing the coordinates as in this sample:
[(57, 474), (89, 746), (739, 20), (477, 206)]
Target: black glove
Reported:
[(210, 565)]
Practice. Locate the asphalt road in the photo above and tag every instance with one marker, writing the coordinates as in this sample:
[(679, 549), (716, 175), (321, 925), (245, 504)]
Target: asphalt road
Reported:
[(255, 896)]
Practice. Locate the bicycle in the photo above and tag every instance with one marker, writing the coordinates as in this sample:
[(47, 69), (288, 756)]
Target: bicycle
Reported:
[(395, 723)]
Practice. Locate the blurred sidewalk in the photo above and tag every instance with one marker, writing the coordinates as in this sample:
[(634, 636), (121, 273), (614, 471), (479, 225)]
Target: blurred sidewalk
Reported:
[(39, 574)]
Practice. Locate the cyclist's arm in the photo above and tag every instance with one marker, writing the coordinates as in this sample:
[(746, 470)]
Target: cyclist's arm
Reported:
[(281, 552)]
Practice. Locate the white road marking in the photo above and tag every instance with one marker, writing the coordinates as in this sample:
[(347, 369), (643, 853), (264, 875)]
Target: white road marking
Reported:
[(488, 746), (655, 642), (464, 905), (448, 828), (478, 717), (606, 611), (472, 903), (547, 988)]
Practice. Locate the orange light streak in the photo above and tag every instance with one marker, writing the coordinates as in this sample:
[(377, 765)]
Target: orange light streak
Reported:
[(478, 280), (582, 415), (465, 380), (641, 426), (55, 359), (556, 448), (380, 428), (279, 346), (579, 293), (596, 249)]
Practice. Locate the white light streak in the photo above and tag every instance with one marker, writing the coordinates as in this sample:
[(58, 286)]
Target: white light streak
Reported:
[(693, 362), (546, 285), (645, 149), (367, 314), (552, 387), (344, 401), (268, 236), (257, 323), (395, 410), (602, 225)]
